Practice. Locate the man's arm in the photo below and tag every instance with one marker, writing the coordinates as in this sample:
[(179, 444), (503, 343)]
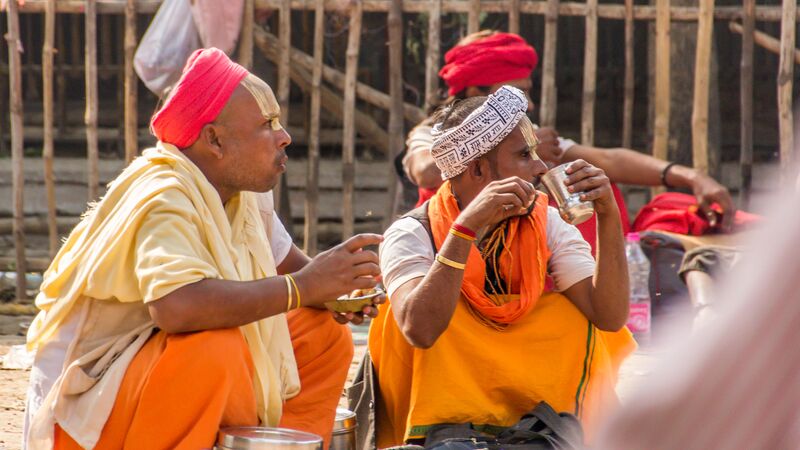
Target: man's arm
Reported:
[(422, 170), (424, 306), (630, 167), (604, 298), (213, 303)]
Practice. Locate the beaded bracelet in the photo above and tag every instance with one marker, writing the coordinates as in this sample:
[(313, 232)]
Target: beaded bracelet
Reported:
[(664, 175)]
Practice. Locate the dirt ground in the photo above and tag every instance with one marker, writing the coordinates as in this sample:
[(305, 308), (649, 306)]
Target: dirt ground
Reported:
[(13, 383)]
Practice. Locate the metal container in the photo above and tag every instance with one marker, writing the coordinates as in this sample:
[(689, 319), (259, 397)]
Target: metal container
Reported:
[(570, 206), (344, 430), (261, 438)]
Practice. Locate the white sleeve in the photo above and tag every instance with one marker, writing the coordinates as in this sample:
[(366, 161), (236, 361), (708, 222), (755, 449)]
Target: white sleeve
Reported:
[(405, 253), (565, 144), (419, 140), (570, 255), (279, 240)]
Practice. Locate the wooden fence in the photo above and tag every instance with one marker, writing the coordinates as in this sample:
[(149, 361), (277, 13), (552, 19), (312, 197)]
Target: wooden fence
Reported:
[(338, 92)]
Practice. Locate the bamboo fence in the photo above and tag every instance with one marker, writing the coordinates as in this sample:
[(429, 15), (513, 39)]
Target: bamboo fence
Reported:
[(339, 93)]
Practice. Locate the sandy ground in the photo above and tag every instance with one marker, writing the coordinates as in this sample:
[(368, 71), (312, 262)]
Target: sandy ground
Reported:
[(13, 383)]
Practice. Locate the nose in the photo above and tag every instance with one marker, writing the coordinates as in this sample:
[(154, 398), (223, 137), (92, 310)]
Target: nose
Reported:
[(531, 105), (284, 139), (539, 168)]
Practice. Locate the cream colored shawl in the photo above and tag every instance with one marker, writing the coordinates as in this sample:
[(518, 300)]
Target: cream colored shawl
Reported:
[(101, 268)]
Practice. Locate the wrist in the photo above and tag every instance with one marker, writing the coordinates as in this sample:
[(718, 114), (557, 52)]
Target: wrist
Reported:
[(679, 176)]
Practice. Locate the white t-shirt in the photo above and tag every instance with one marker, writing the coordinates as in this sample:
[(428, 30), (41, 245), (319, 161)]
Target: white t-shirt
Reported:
[(406, 253), (50, 360)]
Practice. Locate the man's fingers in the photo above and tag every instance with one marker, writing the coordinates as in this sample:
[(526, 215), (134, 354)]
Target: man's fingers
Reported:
[(362, 240), (365, 256), (582, 173), (370, 311), (339, 317), (367, 269), (587, 184), (705, 210), (363, 283)]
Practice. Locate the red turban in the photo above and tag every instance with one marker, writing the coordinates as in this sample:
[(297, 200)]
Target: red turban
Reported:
[(493, 59), (207, 83)]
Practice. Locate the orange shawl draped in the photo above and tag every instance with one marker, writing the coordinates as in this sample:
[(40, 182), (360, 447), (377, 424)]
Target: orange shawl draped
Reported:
[(523, 262)]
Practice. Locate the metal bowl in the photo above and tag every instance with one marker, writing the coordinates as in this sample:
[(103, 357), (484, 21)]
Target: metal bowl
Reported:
[(262, 438), (353, 304)]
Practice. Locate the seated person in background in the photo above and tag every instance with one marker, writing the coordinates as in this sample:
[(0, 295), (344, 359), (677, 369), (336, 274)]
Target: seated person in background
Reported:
[(468, 335), (482, 62), (163, 315)]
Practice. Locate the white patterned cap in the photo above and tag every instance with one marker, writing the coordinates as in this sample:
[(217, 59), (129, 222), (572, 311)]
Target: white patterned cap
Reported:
[(454, 148)]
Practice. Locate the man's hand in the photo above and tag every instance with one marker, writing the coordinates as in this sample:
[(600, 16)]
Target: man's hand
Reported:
[(708, 191), (498, 201), (593, 184), (548, 149), (358, 317), (339, 271)]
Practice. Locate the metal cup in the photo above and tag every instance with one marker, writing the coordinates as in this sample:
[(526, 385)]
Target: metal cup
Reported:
[(570, 206)]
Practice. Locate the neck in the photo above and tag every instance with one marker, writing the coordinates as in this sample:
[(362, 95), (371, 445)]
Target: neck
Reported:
[(207, 167), (464, 191)]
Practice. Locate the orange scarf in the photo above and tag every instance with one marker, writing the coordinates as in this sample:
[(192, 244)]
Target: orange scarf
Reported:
[(522, 264)]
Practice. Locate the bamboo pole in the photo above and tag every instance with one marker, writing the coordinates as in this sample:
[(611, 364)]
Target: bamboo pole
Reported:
[(746, 99), (90, 118), (549, 107), (396, 135), (433, 54), (48, 113), (61, 78), (473, 16), (629, 89), (785, 84), (312, 182), (284, 43), (513, 17), (246, 37), (662, 89), (702, 70), (763, 40), (367, 93), (333, 104), (349, 137), (589, 74), (17, 156), (131, 84), (606, 11)]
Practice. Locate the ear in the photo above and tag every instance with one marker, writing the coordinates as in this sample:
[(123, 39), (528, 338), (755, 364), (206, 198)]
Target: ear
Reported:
[(478, 169), (210, 136), (473, 91)]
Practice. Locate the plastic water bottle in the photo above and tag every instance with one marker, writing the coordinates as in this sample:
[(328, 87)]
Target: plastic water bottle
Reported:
[(639, 319)]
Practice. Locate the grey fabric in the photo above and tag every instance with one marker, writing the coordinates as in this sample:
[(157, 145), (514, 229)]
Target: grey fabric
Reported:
[(710, 259), (362, 397)]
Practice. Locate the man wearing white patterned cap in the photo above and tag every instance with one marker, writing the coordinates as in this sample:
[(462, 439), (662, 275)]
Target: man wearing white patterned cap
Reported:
[(468, 335)]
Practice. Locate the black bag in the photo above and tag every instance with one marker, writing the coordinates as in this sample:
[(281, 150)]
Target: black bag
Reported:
[(540, 429)]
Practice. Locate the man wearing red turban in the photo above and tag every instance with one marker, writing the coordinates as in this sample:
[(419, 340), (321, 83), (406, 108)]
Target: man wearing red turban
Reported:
[(179, 306), (483, 62)]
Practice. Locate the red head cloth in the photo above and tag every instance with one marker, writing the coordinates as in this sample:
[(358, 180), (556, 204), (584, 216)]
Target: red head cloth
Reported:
[(490, 60), (207, 83)]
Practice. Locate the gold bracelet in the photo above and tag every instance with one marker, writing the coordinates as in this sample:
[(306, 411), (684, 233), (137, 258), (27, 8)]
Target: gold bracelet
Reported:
[(289, 293), (450, 262), (457, 233), (296, 290)]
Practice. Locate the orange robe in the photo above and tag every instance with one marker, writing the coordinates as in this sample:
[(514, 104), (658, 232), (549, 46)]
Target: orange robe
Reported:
[(490, 378), (180, 389), (500, 355)]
